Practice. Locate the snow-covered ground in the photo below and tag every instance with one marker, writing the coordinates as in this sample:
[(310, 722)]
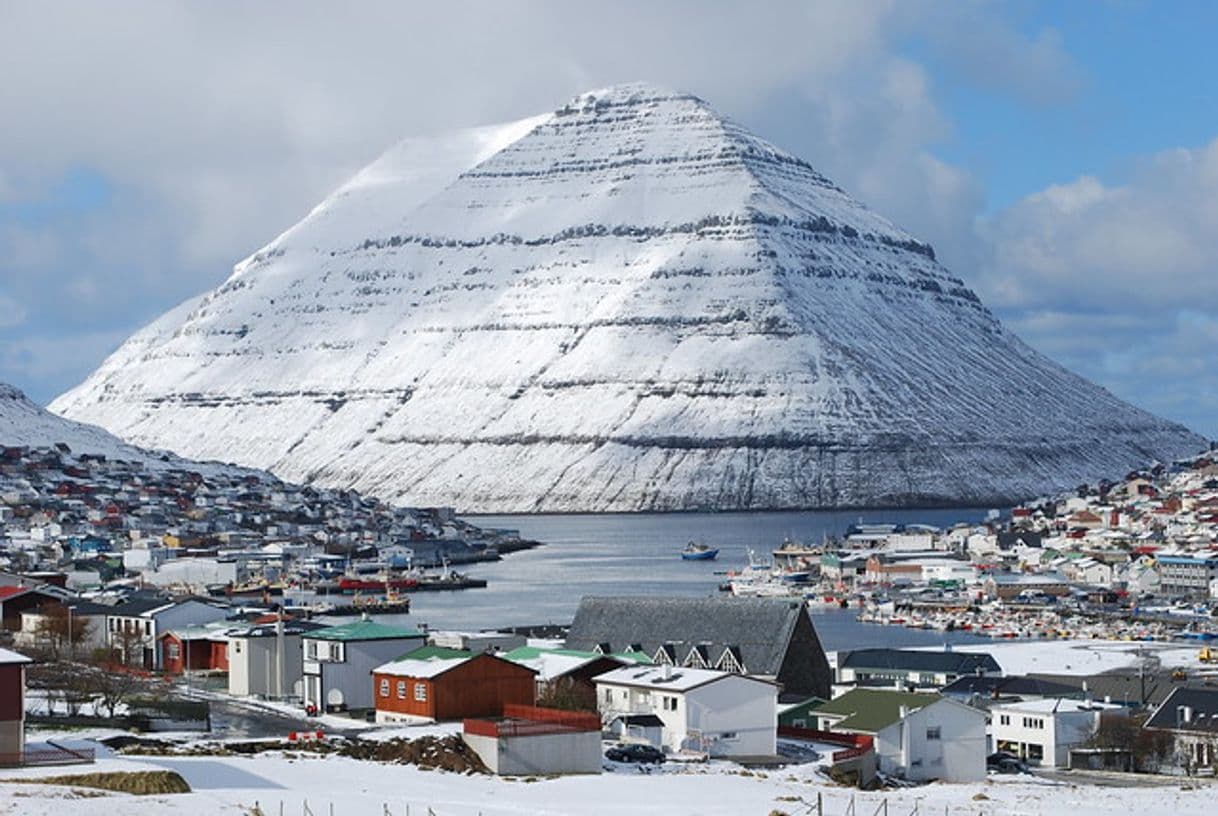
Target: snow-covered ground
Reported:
[(1081, 657), (233, 785)]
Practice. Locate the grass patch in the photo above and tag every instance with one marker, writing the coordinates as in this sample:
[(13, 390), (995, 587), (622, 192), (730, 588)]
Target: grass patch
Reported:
[(141, 783)]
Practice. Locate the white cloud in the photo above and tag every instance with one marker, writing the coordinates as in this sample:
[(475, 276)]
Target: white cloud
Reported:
[(1119, 282)]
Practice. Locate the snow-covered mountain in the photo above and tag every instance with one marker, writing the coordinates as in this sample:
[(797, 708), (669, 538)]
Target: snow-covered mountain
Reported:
[(630, 303), (24, 424)]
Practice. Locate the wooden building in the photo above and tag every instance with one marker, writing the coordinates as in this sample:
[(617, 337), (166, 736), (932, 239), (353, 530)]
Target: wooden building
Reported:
[(448, 684)]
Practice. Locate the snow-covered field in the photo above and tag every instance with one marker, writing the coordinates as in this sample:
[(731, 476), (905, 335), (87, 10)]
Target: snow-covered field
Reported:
[(1080, 657), (233, 785)]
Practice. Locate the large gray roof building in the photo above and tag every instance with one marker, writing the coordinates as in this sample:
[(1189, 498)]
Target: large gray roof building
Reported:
[(763, 637)]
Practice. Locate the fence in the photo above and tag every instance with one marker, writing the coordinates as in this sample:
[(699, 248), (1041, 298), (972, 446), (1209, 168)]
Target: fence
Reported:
[(48, 756), (524, 721), (853, 744)]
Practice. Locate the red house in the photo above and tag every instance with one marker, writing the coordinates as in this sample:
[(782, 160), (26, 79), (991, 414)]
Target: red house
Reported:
[(12, 707), (448, 684), (195, 649)]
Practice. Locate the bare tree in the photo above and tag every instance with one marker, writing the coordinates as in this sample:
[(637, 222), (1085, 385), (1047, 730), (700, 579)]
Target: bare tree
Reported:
[(60, 633)]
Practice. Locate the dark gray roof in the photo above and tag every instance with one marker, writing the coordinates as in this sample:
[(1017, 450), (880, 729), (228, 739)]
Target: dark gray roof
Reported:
[(913, 660), (1202, 713), (761, 628), (1015, 686), (138, 606)]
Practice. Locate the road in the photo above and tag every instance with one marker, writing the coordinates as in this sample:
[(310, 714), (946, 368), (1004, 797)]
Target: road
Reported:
[(235, 719), (1112, 779)]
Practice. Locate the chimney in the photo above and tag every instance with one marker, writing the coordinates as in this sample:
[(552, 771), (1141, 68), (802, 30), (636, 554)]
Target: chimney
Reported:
[(666, 672), (903, 711)]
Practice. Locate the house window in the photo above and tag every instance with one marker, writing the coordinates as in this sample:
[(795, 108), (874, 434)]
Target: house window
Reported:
[(1004, 719), (173, 651), (147, 627), (401, 689), (1036, 752), (670, 703), (728, 735), (384, 687), (311, 649), (420, 692), (934, 733)]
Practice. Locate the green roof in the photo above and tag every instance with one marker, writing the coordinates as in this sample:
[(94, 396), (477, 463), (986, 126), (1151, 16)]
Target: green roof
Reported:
[(363, 630), (533, 652), (867, 711), (436, 653)]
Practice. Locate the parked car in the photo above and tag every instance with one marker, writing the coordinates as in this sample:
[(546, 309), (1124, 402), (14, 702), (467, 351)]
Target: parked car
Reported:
[(1003, 762), (635, 752)]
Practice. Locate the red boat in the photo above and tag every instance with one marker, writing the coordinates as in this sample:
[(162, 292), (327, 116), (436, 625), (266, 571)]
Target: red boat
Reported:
[(348, 583)]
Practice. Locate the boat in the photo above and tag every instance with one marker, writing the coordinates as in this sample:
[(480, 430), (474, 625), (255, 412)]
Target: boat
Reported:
[(251, 590), (695, 551), (355, 583)]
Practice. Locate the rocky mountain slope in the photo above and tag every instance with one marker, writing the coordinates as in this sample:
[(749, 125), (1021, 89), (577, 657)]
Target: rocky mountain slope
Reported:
[(630, 303)]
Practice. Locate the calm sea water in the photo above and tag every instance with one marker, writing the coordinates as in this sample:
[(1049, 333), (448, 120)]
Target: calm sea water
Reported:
[(639, 554)]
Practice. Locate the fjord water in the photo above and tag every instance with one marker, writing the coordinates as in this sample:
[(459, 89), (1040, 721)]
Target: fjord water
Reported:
[(639, 554)]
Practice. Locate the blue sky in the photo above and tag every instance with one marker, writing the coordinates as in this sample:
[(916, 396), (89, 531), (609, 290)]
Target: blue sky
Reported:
[(1060, 156)]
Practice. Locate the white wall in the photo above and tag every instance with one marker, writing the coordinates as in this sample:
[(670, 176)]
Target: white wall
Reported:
[(957, 755), (735, 705), (570, 753), (739, 706)]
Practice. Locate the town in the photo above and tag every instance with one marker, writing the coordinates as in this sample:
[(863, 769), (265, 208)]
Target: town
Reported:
[(139, 596)]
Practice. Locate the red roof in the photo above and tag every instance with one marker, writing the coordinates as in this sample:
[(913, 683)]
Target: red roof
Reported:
[(10, 591)]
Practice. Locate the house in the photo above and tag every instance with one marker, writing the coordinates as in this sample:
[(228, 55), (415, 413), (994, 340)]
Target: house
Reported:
[(338, 661), (449, 684), (17, 599), (570, 673), (12, 706), (78, 624), (1191, 716), (477, 641), (911, 668), (266, 658), (1007, 585), (535, 741), (1042, 732), (1186, 574), (134, 627), (983, 691), (195, 648), (919, 737), (770, 639), (705, 710)]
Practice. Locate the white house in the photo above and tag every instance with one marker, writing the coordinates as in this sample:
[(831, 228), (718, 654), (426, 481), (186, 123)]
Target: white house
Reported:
[(916, 736), (1042, 732), (720, 713), (266, 659), (945, 740), (338, 661), (138, 624)]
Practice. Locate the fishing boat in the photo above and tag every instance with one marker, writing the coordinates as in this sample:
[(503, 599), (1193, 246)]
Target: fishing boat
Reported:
[(354, 583), (695, 551)]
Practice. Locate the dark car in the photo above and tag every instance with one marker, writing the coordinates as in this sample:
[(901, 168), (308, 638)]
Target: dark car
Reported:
[(1004, 762), (635, 753)]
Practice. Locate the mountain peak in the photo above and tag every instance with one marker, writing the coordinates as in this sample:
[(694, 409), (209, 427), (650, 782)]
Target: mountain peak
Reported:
[(631, 303)]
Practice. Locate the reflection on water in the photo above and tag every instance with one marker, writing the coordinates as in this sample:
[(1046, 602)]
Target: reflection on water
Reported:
[(639, 554)]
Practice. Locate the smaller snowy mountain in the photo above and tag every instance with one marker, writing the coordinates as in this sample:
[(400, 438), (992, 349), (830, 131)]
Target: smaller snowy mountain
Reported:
[(25, 424)]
